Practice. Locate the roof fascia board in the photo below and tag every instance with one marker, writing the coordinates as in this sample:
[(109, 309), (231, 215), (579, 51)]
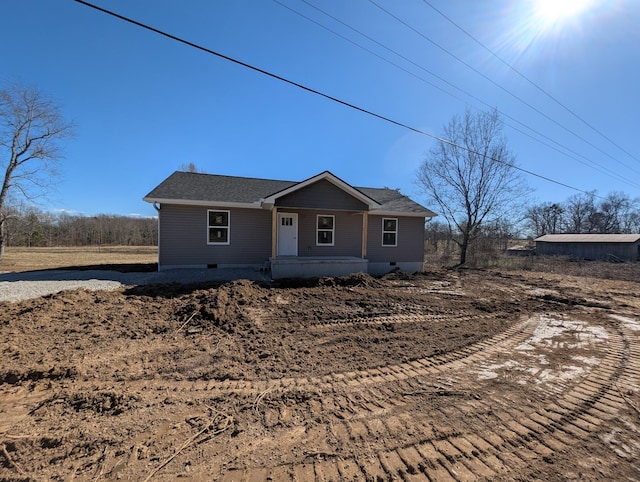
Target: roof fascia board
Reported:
[(326, 175), (401, 214), (220, 204)]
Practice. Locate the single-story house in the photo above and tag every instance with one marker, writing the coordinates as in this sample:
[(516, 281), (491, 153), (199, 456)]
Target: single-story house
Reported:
[(321, 226), (624, 247)]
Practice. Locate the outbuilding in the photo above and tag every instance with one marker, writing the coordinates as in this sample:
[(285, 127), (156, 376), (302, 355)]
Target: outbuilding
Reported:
[(618, 247)]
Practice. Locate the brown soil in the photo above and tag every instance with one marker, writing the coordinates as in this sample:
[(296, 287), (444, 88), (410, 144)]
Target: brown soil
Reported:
[(447, 375)]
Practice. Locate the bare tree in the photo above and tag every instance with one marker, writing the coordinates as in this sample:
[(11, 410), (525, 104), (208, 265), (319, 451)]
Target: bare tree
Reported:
[(579, 213), (470, 176), (630, 217), (191, 167), (545, 219), (613, 209), (632, 221), (31, 128)]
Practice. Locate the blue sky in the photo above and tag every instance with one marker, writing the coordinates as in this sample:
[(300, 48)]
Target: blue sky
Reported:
[(144, 105)]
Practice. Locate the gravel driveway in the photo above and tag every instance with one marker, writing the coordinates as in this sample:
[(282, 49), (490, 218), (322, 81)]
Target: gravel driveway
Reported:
[(33, 284)]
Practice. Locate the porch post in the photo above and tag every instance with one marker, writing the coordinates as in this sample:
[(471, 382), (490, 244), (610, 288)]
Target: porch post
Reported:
[(274, 231), (365, 228)]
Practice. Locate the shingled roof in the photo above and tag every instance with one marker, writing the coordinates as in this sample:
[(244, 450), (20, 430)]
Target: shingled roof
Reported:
[(184, 187), (192, 186)]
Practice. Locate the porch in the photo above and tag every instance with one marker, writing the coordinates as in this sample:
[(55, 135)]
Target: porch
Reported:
[(317, 266)]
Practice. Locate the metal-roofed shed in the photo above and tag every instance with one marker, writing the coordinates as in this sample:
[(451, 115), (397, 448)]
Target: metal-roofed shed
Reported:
[(623, 247)]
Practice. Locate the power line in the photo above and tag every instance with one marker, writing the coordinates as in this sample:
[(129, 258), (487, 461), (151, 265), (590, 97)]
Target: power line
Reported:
[(316, 92), (435, 44), (352, 42), (530, 81), (576, 156)]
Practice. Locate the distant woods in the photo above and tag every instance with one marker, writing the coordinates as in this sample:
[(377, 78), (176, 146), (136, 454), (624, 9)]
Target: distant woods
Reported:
[(35, 228), (586, 213), (583, 213)]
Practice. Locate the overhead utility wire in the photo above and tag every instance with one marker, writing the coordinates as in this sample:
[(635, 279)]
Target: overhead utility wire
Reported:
[(530, 81), (321, 94), (500, 86), (352, 42), (585, 161)]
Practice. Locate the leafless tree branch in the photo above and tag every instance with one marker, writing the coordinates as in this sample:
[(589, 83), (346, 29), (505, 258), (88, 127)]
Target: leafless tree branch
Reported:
[(31, 130), (471, 178)]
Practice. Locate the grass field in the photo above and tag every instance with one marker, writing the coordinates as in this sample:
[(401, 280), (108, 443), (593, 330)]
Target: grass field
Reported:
[(27, 259), (565, 266)]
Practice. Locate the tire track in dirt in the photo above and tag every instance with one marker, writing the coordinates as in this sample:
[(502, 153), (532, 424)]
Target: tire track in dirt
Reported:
[(436, 418), (396, 320), (390, 373), (497, 436)]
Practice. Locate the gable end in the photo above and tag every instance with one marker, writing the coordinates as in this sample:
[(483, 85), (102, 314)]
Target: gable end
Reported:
[(321, 195)]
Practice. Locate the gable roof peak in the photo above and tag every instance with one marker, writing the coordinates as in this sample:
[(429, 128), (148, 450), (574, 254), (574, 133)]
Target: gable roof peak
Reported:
[(333, 179)]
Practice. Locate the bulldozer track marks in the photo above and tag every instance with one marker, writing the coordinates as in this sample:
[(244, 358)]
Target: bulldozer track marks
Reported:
[(372, 376), (375, 414), (475, 431)]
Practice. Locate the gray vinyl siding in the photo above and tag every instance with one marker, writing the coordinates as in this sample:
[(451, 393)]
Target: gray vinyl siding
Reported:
[(584, 250), (321, 195), (347, 233), (410, 240), (183, 237)]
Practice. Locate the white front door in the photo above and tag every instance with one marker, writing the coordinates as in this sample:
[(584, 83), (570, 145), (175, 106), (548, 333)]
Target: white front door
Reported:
[(287, 234)]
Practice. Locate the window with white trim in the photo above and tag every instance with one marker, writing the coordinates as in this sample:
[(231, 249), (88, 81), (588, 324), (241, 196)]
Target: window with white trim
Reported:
[(389, 231), (218, 227), (325, 229)]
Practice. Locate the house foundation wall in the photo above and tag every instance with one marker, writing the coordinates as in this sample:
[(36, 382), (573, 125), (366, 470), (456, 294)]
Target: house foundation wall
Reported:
[(210, 266), (317, 267), (382, 268)]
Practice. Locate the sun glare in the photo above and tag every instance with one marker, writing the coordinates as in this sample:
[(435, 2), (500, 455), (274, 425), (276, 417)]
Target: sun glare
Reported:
[(538, 28), (558, 10)]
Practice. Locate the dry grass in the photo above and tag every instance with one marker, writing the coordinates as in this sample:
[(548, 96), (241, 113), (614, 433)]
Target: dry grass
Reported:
[(563, 265), (27, 259), (545, 264)]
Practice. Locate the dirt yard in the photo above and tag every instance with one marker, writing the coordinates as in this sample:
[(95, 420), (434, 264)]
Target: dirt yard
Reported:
[(446, 375)]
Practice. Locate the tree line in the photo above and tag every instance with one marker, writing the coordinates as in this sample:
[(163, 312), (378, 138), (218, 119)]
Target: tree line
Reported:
[(32, 227), (586, 213)]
